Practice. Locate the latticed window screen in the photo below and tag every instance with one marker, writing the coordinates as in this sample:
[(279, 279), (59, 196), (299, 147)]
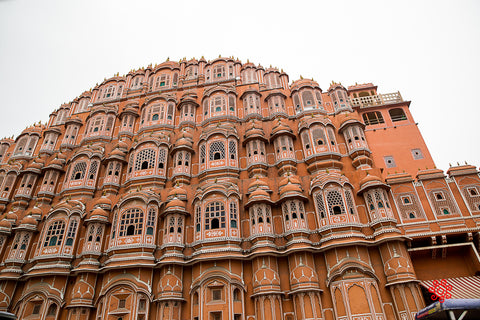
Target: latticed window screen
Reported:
[(202, 153), (335, 202), (72, 230), (152, 214), (171, 225), (79, 171), (442, 202), (162, 158), (145, 159), (296, 101), (408, 205), (232, 149), (318, 136), (55, 233), (24, 244), (319, 204), (231, 102), (306, 141), (90, 233), (472, 195), (214, 210), (331, 136), (307, 98), (198, 217), (92, 172), (217, 150), (109, 125), (170, 111), (219, 71), (233, 214), (131, 222), (350, 202), (99, 234)]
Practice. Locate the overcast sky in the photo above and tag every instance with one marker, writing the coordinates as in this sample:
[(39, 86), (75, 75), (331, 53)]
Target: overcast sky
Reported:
[(52, 51)]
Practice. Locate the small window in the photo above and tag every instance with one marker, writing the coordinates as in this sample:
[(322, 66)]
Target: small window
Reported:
[(445, 211), (121, 303), (217, 294), (417, 154), (389, 161), (411, 215), (406, 200), (473, 191), (52, 310), (36, 308), (439, 196), (236, 295)]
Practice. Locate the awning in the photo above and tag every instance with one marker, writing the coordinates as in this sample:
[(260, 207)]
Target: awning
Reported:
[(462, 288), (451, 309)]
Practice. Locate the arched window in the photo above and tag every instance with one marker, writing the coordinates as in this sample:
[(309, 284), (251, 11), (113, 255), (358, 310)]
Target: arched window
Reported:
[(214, 215), (131, 222), (397, 114)]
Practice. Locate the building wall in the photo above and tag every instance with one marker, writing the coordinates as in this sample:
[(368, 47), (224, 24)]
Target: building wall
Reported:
[(219, 190)]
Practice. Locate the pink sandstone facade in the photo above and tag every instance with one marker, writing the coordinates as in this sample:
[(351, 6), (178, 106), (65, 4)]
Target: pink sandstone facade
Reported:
[(220, 190)]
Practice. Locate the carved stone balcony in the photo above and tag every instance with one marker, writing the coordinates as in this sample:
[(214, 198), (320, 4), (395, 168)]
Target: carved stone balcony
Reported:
[(376, 100)]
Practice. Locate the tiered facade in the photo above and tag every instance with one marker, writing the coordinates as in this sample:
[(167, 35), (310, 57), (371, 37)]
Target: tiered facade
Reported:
[(219, 190)]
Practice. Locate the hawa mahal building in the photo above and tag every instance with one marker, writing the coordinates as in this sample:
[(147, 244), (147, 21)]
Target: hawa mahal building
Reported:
[(220, 190)]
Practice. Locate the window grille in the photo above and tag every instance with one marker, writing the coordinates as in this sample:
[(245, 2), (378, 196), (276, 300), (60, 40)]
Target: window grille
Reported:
[(145, 159), (202, 153), (319, 204), (198, 217), (331, 136), (131, 222), (92, 172), (55, 233), (232, 149), (79, 171), (307, 98), (318, 136), (389, 161), (214, 215), (162, 158), (335, 202), (233, 214), (72, 230), (217, 150), (350, 202), (152, 213)]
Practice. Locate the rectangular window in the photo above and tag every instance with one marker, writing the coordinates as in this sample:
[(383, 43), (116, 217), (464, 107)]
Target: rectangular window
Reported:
[(216, 294), (417, 154), (389, 161), (121, 303)]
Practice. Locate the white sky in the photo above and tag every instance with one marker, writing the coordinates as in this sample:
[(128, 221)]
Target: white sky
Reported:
[(52, 51)]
